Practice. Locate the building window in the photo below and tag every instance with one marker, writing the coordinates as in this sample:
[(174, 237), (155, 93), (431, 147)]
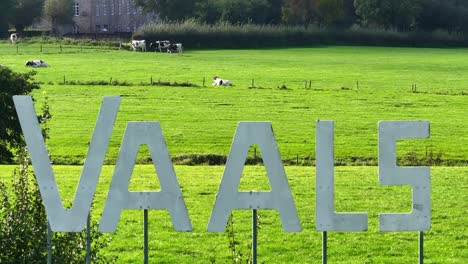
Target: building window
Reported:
[(119, 28), (128, 7), (76, 9), (119, 6), (76, 29), (104, 7), (112, 7), (97, 10), (98, 28)]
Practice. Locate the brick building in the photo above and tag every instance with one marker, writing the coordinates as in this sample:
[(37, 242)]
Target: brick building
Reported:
[(107, 16)]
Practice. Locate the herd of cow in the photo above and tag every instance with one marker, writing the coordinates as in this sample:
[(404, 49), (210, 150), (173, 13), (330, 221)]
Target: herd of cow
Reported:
[(160, 45)]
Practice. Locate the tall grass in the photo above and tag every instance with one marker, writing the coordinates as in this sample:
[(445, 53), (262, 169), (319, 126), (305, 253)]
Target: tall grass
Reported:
[(225, 35)]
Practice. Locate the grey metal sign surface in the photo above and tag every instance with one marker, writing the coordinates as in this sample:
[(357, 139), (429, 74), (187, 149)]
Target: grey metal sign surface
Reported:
[(229, 198), (61, 219), (119, 197), (326, 218), (418, 178)]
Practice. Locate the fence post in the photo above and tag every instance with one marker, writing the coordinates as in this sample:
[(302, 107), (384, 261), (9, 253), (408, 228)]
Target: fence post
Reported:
[(151, 80), (203, 81), (60, 48), (41, 48), (17, 49), (310, 84), (253, 83)]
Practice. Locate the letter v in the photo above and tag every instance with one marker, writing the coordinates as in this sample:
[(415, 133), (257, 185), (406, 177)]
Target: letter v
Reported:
[(61, 219)]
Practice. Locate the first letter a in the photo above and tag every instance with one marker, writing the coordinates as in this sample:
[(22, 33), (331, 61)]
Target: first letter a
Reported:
[(279, 198), (61, 219)]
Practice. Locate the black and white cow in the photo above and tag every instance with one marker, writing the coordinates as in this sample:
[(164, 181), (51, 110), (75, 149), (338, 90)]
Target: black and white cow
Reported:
[(139, 44), (36, 63), (160, 45), (177, 47), (220, 82)]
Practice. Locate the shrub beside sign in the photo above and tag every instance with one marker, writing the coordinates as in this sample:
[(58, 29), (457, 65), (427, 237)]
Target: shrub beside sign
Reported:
[(228, 197)]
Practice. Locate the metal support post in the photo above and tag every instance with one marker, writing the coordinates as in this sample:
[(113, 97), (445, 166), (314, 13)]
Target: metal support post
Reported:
[(421, 247), (145, 236), (88, 239), (49, 243), (254, 236), (324, 247)]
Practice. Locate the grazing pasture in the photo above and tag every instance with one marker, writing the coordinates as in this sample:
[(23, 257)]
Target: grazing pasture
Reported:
[(356, 189), (355, 86)]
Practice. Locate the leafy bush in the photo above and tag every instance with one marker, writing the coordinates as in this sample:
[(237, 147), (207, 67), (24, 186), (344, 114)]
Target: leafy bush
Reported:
[(194, 34), (12, 83), (23, 221)]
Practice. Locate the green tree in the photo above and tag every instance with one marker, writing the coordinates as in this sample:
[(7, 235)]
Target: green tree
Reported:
[(329, 11), (298, 12), (172, 10), (59, 12), (398, 14), (239, 11), (12, 83), (5, 11), (208, 11), (451, 15), (24, 12)]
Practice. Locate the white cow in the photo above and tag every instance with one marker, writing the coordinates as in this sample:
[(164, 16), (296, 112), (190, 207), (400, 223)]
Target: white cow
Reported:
[(36, 63), (14, 38), (220, 82), (139, 44)]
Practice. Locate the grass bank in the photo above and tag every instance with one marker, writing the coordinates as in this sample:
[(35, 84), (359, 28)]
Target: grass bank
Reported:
[(356, 190)]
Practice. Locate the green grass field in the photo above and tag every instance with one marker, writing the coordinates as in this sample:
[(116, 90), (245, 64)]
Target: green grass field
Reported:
[(356, 188), (355, 86)]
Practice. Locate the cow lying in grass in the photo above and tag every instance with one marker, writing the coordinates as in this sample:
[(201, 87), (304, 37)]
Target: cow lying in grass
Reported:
[(36, 63), (220, 82)]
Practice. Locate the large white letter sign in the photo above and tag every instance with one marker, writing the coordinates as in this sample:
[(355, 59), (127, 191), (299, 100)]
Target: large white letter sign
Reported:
[(418, 177), (326, 218), (280, 197), (170, 196), (60, 219)]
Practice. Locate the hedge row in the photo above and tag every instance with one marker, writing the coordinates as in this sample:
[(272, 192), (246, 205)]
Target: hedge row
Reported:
[(195, 35)]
